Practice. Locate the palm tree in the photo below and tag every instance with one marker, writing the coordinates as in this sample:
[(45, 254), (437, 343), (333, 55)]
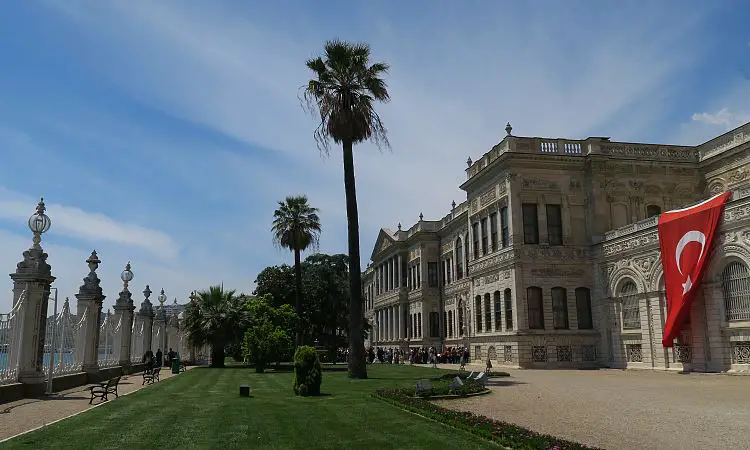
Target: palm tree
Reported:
[(296, 226), (343, 92), (218, 318)]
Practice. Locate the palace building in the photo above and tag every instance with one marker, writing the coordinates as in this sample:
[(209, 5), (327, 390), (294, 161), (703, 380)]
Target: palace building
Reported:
[(553, 259)]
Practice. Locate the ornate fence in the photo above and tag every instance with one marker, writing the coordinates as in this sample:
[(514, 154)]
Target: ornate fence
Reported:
[(183, 346), (156, 339), (107, 333), (11, 328), (136, 341), (63, 337)]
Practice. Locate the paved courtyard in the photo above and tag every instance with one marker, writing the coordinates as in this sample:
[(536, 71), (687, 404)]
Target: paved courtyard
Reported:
[(623, 409), (28, 414)]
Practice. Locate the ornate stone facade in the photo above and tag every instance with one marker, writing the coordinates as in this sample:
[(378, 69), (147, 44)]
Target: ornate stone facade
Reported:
[(553, 260)]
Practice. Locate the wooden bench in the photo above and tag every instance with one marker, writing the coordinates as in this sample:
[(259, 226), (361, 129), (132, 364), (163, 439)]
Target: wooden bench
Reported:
[(151, 376), (103, 389)]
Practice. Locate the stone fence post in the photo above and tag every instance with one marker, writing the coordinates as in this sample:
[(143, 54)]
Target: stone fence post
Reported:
[(146, 313), (124, 318), (32, 281), (90, 298)]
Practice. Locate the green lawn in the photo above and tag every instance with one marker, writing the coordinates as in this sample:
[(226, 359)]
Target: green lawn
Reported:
[(202, 409)]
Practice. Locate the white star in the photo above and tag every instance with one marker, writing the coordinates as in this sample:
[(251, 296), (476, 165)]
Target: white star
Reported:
[(686, 285)]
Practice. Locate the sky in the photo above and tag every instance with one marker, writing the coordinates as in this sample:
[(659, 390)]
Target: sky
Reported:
[(165, 133)]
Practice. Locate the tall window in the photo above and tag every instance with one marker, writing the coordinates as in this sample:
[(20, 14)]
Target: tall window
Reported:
[(631, 308), (434, 324), (508, 298), (735, 287), (478, 312), (498, 301), (432, 274), (559, 308), (450, 323), (475, 231), (536, 308), (554, 225), (419, 324), (487, 313), (459, 259), (504, 225), (419, 274), (485, 236), (466, 253), (652, 210), (493, 231), (460, 319), (583, 309), (530, 224)]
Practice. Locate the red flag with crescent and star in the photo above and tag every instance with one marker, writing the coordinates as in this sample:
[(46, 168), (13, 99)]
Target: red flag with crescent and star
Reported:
[(685, 238)]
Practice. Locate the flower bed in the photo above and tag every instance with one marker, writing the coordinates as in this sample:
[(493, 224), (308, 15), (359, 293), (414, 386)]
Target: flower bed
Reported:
[(441, 389), (463, 375), (506, 434)]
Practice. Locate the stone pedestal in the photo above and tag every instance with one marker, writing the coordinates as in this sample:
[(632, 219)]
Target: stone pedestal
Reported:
[(124, 319), (146, 314), (90, 298), (31, 286)]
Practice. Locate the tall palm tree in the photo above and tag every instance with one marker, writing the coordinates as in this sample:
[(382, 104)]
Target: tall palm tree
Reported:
[(218, 318), (296, 226), (342, 93)]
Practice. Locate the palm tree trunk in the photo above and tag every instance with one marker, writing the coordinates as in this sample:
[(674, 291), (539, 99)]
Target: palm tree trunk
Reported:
[(298, 294), (217, 355), (356, 363)]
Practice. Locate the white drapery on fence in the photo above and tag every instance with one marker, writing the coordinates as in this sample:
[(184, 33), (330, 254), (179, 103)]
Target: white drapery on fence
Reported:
[(156, 339), (11, 329), (64, 333), (107, 333), (136, 341)]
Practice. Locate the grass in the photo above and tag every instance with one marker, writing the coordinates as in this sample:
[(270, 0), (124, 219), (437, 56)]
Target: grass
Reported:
[(202, 409)]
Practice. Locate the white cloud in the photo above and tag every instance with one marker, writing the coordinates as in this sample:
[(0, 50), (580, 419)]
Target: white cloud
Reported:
[(92, 227), (726, 119)]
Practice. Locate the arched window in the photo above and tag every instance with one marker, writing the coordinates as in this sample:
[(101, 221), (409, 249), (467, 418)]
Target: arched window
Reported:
[(487, 313), (631, 308), (508, 299), (459, 259), (735, 285), (535, 303), (478, 313), (498, 301), (583, 309), (460, 319), (559, 308), (653, 210)]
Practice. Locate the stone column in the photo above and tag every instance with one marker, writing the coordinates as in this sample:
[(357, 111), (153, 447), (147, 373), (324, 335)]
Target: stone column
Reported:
[(146, 314), (124, 319), (397, 321), (160, 323), (90, 298), (31, 287)]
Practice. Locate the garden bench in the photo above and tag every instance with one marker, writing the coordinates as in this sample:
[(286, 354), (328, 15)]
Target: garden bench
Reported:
[(103, 389), (455, 385), (482, 379), (150, 376)]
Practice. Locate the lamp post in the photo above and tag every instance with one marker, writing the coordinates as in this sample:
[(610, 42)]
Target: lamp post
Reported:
[(39, 223), (126, 276), (162, 298)]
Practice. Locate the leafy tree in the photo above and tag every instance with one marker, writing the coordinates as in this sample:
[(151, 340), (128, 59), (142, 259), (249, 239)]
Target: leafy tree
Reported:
[(268, 336), (276, 282), (343, 92), (326, 287), (218, 318), (296, 226)]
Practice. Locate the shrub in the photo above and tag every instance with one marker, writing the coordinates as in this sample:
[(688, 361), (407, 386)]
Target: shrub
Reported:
[(505, 434), (308, 374)]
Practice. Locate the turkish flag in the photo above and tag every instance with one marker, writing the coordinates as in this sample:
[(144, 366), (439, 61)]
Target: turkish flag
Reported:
[(685, 238)]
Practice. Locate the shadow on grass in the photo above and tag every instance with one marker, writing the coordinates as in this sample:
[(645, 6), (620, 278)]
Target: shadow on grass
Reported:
[(492, 382)]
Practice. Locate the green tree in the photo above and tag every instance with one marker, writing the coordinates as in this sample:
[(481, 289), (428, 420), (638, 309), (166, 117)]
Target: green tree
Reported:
[(278, 283), (326, 286), (296, 226), (343, 94), (268, 335), (218, 318)]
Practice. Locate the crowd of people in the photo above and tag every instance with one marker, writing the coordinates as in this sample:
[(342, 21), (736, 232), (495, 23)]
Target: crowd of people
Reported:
[(418, 355)]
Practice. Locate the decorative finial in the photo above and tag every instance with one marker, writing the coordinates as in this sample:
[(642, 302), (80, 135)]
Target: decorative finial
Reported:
[(399, 226), (468, 161), (508, 128), (93, 261), (453, 205), (147, 292), (40, 208), (39, 223), (421, 217)]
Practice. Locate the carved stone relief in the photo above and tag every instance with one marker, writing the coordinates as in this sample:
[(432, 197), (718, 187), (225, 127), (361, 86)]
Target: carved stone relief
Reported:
[(738, 176), (487, 197), (539, 184), (491, 278), (549, 272)]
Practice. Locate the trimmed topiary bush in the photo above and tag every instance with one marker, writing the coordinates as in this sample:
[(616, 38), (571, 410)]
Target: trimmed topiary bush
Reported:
[(308, 374)]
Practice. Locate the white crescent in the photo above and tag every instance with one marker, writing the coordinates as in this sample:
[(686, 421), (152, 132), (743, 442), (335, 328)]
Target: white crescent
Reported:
[(690, 236)]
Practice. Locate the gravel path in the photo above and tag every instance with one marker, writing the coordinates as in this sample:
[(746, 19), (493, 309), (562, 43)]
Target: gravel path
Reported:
[(623, 409), (27, 414)]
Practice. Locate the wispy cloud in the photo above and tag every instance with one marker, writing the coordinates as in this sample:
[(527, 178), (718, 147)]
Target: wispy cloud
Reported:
[(723, 118)]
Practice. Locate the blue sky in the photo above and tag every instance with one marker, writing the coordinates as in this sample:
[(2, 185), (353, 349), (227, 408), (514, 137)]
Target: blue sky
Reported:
[(164, 132)]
